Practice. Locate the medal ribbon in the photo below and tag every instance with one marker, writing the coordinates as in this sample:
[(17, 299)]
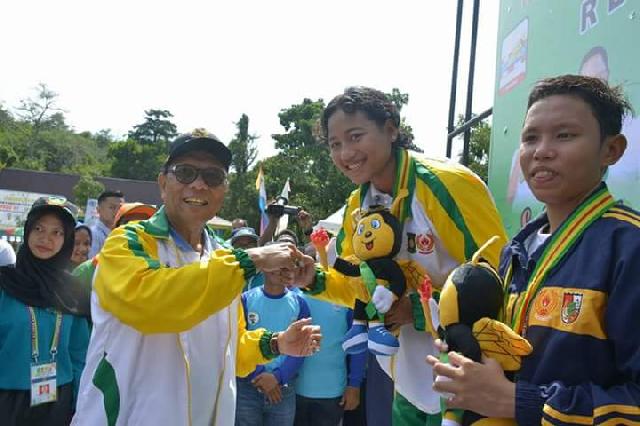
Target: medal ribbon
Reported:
[(559, 245)]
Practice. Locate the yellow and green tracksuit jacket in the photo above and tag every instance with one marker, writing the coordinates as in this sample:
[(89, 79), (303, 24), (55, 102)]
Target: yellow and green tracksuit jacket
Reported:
[(169, 334), (447, 214)]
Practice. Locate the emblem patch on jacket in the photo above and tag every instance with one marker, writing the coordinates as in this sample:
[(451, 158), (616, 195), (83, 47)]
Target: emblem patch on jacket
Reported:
[(545, 303), (425, 243), (571, 304)]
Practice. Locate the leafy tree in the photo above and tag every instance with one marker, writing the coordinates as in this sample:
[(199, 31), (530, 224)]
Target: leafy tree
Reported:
[(241, 181), (133, 160), (157, 127), (401, 99), (316, 184), (243, 147), (7, 154), (478, 148), (86, 188), (37, 111), (141, 156)]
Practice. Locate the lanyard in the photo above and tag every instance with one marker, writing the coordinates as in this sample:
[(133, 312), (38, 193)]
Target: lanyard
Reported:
[(35, 353), (559, 245)]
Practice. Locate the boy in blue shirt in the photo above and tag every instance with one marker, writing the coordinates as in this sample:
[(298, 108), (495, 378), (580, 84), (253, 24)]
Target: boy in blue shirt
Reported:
[(267, 396), (326, 386)]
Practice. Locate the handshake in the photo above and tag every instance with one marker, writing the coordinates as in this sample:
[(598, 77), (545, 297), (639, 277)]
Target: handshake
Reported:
[(294, 267)]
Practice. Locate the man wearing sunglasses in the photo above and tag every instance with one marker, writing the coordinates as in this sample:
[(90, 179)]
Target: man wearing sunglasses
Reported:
[(169, 334)]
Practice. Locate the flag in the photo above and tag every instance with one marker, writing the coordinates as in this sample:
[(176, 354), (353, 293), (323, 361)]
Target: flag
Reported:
[(283, 223), (262, 200)]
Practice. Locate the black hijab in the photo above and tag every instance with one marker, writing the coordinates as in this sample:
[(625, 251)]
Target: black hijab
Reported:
[(46, 283)]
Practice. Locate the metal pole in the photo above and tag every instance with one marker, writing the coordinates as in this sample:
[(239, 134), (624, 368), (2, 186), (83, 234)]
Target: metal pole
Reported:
[(469, 124), (454, 76), (472, 66)]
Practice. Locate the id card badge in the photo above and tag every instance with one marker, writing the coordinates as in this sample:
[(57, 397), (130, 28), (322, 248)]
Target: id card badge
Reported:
[(43, 383)]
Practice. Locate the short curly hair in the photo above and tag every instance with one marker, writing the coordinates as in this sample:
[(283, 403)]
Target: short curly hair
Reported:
[(375, 104), (607, 103)]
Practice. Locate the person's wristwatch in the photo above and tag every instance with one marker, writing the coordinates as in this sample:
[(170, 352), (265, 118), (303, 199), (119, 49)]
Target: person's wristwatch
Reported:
[(273, 344)]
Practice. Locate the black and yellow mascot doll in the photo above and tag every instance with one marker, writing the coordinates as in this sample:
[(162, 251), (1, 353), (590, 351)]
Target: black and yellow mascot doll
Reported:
[(470, 305), (376, 240)]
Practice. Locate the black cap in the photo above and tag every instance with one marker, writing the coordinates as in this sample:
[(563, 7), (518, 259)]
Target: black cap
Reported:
[(61, 204), (200, 140)]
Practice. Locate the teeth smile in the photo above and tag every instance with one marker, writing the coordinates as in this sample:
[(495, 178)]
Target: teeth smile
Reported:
[(354, 166), (542, 174), (195, 201)]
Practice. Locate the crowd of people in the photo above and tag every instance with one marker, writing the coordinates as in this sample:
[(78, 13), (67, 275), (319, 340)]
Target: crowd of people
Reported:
[(147, 317)]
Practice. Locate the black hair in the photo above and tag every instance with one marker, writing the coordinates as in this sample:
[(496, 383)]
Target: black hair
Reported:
[(607, 103), (375, 104), (108, 194), (289, 233)]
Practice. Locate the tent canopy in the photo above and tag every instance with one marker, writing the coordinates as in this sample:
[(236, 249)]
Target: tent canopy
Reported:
[(333, 222)]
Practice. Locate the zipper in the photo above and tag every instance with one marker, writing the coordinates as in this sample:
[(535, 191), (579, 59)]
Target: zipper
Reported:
[(224, 360), (188, 374)]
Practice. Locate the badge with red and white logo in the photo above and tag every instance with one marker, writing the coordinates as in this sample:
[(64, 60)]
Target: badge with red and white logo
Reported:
[(544, 304), (571, 304), (425, 243)]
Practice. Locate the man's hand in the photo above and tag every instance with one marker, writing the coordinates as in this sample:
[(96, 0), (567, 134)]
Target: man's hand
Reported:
[(401, 313), (268, 385), (351, 398), (305, 276), (276, 257), (383, 298), (480, 387), (300, 338)]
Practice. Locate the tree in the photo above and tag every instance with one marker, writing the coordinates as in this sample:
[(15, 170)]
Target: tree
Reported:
[(479, 143), (243, 147), (401, 99), (316, 184), (133, 160), (141, 156), (86, 188), (37, 111), (157, 127)]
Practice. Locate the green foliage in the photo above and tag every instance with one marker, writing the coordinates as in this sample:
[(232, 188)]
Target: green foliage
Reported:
[(141, 156), (478, 148), (157, 128), (243, 147), (133, 160), (241, 199), (316, 184), (86, 188), (38, 138)]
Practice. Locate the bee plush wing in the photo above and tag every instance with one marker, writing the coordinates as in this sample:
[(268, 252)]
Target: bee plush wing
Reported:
[(500, 342)]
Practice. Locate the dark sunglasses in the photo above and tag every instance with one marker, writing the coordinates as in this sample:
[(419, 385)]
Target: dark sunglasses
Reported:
[(186, 174)]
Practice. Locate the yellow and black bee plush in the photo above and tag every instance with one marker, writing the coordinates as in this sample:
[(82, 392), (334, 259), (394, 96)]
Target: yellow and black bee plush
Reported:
[(376, 240), (470, 304)]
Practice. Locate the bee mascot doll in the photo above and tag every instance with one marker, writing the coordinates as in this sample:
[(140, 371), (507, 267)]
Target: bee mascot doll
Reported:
[(470, 304), (376, 240)]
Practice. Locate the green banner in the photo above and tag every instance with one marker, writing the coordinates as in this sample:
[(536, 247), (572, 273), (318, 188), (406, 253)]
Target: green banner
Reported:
[(543, 38)]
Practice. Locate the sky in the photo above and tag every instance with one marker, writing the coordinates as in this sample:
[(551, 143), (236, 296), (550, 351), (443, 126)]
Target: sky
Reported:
[(208, 62)]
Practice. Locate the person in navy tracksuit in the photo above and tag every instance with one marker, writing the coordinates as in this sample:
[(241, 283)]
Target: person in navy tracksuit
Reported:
[(572, 274)]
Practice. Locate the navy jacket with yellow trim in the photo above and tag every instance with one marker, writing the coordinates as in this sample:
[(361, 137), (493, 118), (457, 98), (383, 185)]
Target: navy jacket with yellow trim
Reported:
[(583, 326)]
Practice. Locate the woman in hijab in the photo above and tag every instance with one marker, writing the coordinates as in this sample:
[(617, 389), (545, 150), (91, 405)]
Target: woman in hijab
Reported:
[(81, 245), (43, 338)]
